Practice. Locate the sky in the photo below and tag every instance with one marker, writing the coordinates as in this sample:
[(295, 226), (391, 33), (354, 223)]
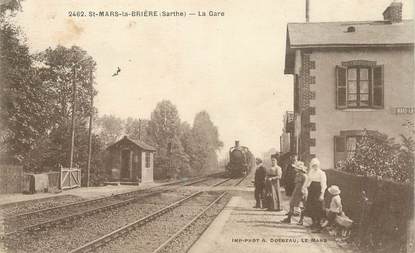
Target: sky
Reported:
[(232, 66)]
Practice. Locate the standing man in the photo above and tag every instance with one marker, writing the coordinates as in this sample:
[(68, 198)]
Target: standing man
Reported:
[(259, 182), (289, 176)]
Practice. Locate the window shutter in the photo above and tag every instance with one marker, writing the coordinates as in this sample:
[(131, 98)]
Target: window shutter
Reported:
[(341, 87), (339, 148), (377, 87)]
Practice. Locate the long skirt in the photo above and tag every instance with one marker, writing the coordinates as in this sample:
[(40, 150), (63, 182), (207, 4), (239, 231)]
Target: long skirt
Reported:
[(314, 207), (297, 196), (273, 195)]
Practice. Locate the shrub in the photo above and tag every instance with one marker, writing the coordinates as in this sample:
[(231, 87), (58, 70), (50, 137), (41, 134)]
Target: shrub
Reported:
[(378, 155)]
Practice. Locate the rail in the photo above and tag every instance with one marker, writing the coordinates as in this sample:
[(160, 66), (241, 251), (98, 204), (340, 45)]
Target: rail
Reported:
[(143, 194), (99, 242), (189, 224)]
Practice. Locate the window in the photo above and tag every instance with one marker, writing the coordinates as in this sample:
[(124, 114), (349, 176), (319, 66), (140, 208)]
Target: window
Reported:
[(351, 143), (359, 86), (147, 154)]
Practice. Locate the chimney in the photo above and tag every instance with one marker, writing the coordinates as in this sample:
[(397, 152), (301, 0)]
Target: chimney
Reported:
[(394, 12)]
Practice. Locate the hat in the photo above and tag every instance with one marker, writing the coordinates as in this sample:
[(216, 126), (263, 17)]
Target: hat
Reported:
[(334, 190), (315, 162), (299, 165)]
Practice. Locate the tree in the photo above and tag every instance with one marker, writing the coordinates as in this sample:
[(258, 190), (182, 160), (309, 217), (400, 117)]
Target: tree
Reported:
[(60, 68), (24, 101), (136, 129), (206, 143), (163, 132), (110, 128)]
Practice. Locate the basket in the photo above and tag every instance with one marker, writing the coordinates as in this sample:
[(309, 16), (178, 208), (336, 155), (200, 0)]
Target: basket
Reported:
[(343, 221)]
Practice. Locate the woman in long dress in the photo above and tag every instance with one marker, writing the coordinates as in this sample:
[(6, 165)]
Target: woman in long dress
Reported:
[(272, 186), (317, 184)]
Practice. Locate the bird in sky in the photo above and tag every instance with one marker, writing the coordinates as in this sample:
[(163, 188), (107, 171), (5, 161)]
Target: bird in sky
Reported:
[(117, 72)]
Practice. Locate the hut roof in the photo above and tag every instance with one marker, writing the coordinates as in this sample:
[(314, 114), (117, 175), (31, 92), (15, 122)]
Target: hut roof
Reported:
[(140, 144)]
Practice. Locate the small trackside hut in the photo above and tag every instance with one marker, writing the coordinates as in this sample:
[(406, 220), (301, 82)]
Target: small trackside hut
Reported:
[(130, 162)]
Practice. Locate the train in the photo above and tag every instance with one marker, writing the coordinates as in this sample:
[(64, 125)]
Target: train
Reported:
[(241, 161)]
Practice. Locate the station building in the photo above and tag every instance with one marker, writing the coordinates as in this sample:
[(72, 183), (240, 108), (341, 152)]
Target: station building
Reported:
[(350, 77), (130, 161)]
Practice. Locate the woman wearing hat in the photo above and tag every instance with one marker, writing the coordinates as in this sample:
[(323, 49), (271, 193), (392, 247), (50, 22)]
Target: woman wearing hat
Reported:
[(300, 191), (316, 184)]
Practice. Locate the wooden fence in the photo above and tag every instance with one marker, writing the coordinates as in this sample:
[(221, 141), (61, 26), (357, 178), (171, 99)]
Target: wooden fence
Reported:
[(11, 178), (382, 216), (70, 178)]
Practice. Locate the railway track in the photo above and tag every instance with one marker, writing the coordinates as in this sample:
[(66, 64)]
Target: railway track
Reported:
[(49, 217), (123, 231)]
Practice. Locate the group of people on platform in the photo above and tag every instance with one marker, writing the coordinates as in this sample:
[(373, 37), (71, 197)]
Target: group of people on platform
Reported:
[(305, 187)]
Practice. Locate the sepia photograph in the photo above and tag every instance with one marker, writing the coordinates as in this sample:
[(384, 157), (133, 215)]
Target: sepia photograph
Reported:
[(207, 126)]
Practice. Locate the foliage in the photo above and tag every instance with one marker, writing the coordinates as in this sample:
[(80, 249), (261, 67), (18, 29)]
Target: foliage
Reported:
[(136, 128), (110, 128), (24, 101), (36, 101), (163, 132), (206, 143), (380, 156)]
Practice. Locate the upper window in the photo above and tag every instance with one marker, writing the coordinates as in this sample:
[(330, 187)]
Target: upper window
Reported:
[(359, 86)]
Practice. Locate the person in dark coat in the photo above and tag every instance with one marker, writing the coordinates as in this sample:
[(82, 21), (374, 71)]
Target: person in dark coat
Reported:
[(299, 194), (259, 182), (289, 177)]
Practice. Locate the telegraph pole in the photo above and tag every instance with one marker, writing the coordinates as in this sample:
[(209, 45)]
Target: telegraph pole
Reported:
[(73, 116), (90, 130), (307, 10)]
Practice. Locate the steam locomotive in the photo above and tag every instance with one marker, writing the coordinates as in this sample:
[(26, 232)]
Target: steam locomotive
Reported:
[(241, 161)]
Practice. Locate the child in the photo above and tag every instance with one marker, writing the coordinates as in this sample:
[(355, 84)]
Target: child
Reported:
[(299, 194), (336, 207)]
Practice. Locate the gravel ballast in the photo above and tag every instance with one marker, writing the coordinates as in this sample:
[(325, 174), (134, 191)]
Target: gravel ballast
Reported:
[(66, 237), (151, 235)]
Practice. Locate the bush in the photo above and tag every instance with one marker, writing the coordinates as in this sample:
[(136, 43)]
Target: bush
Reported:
[(380, 156)]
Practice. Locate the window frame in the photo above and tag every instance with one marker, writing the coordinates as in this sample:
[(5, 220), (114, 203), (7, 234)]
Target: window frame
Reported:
[(375, 85), (358, 91)]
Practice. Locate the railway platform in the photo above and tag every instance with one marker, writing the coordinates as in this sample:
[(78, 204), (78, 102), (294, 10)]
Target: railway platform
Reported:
[(242, 228)]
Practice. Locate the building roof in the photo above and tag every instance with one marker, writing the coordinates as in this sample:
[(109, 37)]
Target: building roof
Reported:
[(341, 34), (140, 144)]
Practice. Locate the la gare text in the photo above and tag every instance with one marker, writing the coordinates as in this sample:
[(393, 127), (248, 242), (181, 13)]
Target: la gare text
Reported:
[(145, 13)]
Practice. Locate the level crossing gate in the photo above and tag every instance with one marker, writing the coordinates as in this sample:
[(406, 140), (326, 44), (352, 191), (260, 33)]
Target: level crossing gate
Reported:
[(70, 178)]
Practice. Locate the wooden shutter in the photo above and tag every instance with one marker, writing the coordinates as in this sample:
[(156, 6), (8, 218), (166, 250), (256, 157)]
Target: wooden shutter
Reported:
[(377, 87), (339, 148), (341, 87)]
